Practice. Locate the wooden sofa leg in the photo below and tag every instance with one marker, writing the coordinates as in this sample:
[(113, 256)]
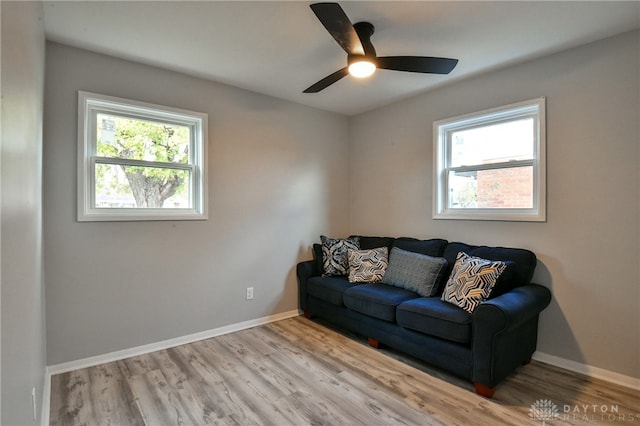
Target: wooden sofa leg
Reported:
[(483, 390), (526, 361), (373, 342), (307, 314)]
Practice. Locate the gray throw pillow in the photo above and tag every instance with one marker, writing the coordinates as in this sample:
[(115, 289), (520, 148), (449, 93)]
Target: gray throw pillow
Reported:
[(414, 271)]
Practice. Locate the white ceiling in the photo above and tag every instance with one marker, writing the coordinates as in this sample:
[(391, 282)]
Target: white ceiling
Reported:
[(280, 48)]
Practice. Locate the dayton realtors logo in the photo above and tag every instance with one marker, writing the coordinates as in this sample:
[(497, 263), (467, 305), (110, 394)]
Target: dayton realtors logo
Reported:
[(545, 410)]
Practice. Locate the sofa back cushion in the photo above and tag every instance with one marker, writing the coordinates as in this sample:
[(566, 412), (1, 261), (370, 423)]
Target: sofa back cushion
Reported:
[(317, 257), (433, 247), (368, 243), (521, 263)]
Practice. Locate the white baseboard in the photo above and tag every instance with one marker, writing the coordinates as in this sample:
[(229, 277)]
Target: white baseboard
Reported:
[(166, 344), (588, 370), (46, 398), (145, 349)]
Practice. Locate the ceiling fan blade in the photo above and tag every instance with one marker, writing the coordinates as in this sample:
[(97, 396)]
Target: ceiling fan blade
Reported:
[(327, 81), (337, 23), (424, 64)]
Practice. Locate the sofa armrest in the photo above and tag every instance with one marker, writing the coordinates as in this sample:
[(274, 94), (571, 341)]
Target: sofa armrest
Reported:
[(511, 309), (505, 332), (304, 271)]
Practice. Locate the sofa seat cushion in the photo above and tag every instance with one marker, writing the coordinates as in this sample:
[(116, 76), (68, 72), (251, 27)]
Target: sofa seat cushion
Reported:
[(329, 289), (377, 300), (430, 315)]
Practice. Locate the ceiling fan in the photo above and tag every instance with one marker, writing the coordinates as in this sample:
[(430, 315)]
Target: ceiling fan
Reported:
[(361, 55)]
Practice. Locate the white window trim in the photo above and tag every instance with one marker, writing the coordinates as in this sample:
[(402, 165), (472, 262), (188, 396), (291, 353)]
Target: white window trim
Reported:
[(89, 104), (440, 129)]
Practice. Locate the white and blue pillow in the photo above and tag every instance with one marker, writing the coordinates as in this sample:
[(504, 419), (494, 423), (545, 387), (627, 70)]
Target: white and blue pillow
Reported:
[(334, 254), (368, 266), (471, 281)]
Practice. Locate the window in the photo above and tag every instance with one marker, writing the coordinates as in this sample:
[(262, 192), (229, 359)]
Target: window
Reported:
[(139, 161), (490, 165)]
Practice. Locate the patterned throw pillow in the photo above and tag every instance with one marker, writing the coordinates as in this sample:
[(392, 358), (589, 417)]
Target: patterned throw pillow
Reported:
[(334, 254), (471, 281), (414, 271), (367, 266)]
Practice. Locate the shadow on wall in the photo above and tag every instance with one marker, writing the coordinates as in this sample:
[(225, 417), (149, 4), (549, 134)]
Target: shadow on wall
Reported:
[(555, 336), (291, 282)]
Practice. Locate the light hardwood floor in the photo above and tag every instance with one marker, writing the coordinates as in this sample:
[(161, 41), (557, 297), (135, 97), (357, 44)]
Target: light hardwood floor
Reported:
[(299, 372)]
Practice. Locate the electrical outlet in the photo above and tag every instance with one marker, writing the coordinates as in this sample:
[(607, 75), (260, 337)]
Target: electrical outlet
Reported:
[(249, 293), (33, 404)]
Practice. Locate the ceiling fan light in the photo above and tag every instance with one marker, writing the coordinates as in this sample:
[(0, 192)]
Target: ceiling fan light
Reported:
[(361, 69)]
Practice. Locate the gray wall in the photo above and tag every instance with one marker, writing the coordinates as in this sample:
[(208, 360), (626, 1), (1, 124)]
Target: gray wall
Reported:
[(278, 177), (21, 266), (281, 174), (588, 249)]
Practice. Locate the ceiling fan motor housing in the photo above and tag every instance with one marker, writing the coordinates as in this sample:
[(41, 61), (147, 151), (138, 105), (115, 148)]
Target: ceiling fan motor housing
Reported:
[(365, 30), (360, 58)]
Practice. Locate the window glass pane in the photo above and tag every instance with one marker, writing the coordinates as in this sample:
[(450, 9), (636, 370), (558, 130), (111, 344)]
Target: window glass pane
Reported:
[(504, 188), (463, 190), (124, 137), (119, 186), (494, 143)]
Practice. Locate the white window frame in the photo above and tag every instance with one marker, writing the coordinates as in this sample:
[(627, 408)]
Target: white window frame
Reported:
[(442, 131), (89, 105)]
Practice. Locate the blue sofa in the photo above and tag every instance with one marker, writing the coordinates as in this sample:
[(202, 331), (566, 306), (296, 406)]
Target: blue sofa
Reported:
[(484, 346)]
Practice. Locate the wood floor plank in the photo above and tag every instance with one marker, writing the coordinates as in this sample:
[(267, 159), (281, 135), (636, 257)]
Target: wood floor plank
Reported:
[(248, 390), (202, 384), (158, 403), (107, 379), (380, 371), (300, 372), (73, 404), (218, 388), (316, 379), (185, 388), (385, 373)]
